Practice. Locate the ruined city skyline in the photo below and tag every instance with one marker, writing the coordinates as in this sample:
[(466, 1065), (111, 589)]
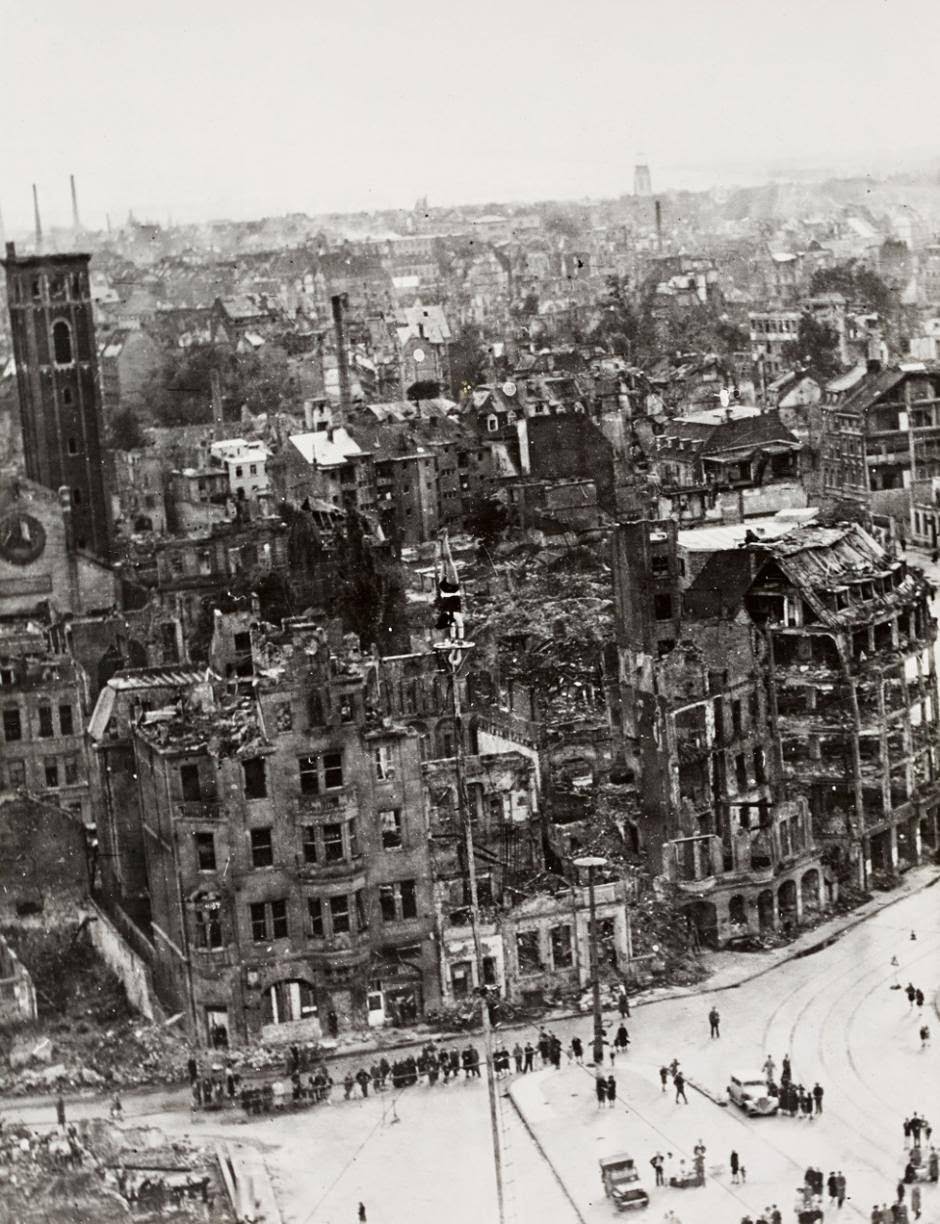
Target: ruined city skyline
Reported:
[(184, 116)]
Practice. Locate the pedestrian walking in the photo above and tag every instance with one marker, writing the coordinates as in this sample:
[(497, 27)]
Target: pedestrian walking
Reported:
[(742, 1173), (362, 1213), (924, 1036), (623, 1004), (545, 1046), (518, 1056), (906, 1127), (679, 1082), (657, 1163), (663, 1076), (832, 1188), (915, 1201), (363, 1079), (192, 1068), (911, 995), (611, 1091), (735, 1165), (600, 1088), (554, 1051), (840, 1188), (577, 1049), (117, 1109), (622, 1039), (349, 1084), (786, 1075), (818, 1097), (529, 1056), (714, 1022), (769, 1068)]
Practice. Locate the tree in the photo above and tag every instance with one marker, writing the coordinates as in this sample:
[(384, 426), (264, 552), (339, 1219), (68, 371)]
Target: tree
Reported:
[(369, 594), (816, 348), (486, 518), (124, 431), (858, 285), (423, 389), (182, 392), (469, 359)]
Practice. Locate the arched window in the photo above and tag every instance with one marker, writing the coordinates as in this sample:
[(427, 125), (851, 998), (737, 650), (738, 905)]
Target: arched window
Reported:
[(62, 342)]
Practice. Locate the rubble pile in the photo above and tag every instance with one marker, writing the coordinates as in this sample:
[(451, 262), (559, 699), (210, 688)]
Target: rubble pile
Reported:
[(86, 1034), (95, 1172)]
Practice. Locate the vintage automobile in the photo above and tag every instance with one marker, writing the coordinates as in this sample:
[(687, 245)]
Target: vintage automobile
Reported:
[(620, 1178), (750, 1092)]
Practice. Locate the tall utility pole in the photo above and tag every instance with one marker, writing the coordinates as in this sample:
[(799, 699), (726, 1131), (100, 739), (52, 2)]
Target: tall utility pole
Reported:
[(453, 653), (592, 862)]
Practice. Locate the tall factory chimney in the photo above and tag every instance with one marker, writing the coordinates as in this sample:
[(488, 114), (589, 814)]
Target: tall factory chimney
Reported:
[(36, 220), (338, 304), (659, 227), (76, 224)]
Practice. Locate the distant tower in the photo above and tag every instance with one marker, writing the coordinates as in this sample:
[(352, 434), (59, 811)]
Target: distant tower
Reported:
[(76, 224), (642, 183), (57, 380)]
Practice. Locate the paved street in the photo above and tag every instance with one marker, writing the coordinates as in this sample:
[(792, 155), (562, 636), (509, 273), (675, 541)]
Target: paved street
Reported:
[(833, 1011)]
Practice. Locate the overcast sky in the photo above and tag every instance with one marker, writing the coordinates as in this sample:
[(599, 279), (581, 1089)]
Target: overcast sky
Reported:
[(204, 108)]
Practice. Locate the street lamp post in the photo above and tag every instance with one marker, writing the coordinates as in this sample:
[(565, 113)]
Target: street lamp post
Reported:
[(592, 862)]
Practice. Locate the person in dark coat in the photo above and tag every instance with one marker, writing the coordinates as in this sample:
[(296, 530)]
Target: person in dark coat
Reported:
[(714, 1022), (657, 1165), (623, 1005), (786, 1075), (611, 1091), (735, 1165), (679, 1082), (577, 1049), (192, 1068), (833, 1188), (622, 1040), (545, 1046), (663, 1076), (529, 1056), (600, 1088), (818, 1097)]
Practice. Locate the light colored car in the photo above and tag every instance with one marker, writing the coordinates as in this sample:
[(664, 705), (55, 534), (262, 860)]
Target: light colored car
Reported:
[(750, 1093)]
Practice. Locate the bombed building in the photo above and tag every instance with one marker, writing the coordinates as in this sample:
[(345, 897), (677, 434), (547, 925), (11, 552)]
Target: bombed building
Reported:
[(773, 703)]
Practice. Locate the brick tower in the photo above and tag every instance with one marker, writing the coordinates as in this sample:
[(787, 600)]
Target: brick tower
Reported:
[(59, 390)]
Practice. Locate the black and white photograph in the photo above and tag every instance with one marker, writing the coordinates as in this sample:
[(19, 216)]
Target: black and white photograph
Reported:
[(469, 581)]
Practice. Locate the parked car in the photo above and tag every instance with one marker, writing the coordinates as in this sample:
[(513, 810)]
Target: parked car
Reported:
[(751, 1094)]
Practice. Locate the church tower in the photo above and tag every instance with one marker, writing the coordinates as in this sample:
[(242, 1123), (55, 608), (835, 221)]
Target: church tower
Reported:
[(59, 390)]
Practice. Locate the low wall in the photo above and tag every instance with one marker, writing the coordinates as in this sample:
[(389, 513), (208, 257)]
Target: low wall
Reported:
[(118, 955)]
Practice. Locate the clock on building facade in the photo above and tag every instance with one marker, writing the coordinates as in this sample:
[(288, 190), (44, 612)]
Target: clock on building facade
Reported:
[(22, 538)]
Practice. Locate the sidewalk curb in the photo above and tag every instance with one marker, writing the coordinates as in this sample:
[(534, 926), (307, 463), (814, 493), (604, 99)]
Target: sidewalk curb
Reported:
[(520, 1114)]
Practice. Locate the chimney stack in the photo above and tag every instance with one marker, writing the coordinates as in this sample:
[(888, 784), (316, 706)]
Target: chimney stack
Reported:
[(338, 304), (659, 227), (76, 224), (217, 413), (37, 221)]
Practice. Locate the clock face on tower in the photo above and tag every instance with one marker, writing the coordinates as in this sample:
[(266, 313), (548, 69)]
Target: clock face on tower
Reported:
[(22, 538)]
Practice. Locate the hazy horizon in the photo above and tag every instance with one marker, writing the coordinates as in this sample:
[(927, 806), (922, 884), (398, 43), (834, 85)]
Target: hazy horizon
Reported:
[(219, 110)]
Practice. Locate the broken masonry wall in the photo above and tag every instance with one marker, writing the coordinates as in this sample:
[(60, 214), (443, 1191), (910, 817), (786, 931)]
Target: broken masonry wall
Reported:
[(124, 962), (17, 993), (43, 861)]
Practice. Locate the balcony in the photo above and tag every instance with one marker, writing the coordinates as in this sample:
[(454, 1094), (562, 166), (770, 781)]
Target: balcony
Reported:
[(342, 802), (347, 951), (338, 869), (199, 809)]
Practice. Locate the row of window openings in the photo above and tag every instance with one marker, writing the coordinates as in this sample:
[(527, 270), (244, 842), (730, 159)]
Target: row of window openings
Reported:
[(327, 843), (58, 288), (56, 772), (13, 722), (317, 773), (327, 916)]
